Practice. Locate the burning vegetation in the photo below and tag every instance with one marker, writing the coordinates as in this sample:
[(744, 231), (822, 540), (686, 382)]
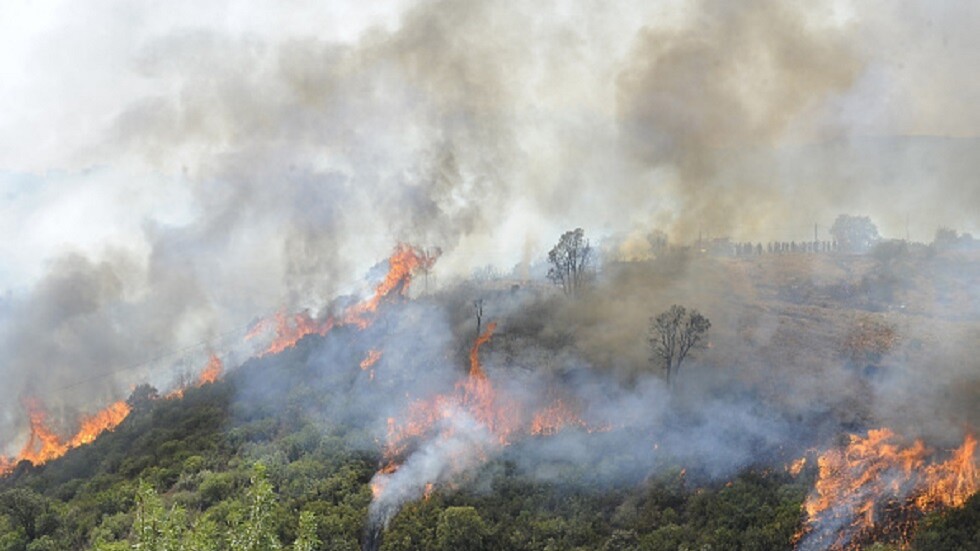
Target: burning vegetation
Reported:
[(878, 487), (45, 444), (403, 263)]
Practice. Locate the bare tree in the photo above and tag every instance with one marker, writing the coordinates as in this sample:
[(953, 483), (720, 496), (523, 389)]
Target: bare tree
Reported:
[(673, 334), (478, 306), (426, 261), (570, 260)]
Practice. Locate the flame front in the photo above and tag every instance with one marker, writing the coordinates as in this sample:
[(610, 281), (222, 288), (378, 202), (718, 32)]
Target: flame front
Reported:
[(403, 263), (877, 487), (796, 467), (107, 419), (211, 372), (554, 418), (372, 358), (44, 444)]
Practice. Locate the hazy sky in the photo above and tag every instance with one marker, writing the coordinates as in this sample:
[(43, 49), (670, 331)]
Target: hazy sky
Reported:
[(109, 108)]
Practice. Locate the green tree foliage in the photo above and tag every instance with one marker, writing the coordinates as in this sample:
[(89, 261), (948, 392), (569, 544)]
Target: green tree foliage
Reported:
[(253, 526), (27, 511), (155, 528), (142, 397), (460, 529), (307, 538), (956, 530)]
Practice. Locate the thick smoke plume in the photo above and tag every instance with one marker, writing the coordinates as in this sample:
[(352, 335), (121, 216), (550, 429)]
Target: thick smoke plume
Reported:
[(231, 170)]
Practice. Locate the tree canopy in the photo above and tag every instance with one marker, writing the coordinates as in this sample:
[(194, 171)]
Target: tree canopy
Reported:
[(570, 261), (674, 333), (854, 234)]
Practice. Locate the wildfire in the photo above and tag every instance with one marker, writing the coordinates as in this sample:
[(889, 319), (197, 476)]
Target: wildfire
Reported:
[(796, 467), (876, 486), (211, 372), (44, 444), (403, 263), (372, 358), (290, 329), (554, 418), (474, 394), (473, 398), (92, 426), (467, 425)]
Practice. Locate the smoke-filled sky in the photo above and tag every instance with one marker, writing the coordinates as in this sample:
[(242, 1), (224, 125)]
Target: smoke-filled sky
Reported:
[(170, 171)]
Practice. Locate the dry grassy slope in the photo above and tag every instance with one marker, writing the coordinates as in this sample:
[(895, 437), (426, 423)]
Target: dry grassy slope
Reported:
[(816, 331), (853, 340)]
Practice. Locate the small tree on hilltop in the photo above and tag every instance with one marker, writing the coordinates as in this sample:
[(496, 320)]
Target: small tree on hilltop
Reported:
[(674, 334), (854, 234), (570, 260)]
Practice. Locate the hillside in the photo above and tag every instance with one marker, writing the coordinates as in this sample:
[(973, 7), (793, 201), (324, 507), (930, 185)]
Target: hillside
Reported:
[(804, 350)]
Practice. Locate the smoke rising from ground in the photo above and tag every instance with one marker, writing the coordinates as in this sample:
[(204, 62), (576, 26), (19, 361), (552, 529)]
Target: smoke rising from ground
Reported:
[(233, 168)]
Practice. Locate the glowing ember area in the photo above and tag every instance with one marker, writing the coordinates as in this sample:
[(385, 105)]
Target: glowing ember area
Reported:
[(796, 467), (403, 263), (290, 329), (473, 396), (554, 418), (443, 436), (44, 444), (372, 358), (211, 372), (876, 488), (459, 429)]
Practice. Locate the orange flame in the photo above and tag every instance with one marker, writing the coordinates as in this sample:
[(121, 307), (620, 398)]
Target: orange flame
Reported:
[(92, 426), (290, 329), (403, 263), (876, 485), (796, 467), (475, 396), (475, 369), (44, 444), (211, 372), (372, 358), (554, 418)]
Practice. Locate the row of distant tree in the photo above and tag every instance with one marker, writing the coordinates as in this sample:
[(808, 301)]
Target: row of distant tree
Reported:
[(571, 260)]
